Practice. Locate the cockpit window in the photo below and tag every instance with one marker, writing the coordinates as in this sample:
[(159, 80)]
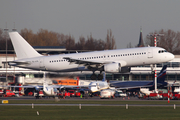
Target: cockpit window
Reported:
[(162, 51)]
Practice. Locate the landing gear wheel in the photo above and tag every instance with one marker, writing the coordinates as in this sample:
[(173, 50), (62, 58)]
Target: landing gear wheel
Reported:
[(100, 77), (93, 77)]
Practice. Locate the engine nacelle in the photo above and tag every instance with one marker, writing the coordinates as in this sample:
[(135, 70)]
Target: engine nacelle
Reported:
[(116, 68), (112, 67)]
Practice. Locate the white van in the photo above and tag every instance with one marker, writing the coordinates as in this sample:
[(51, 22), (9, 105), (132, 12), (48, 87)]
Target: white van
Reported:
[(119, 93), (107, 93)]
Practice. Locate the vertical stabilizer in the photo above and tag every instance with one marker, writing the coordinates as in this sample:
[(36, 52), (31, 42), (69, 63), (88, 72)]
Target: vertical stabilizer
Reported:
[(22, 48), (162, 75)]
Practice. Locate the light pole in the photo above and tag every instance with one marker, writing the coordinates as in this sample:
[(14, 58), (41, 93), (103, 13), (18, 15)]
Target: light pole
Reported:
[(14, 29), (6, 30), (155, 71)]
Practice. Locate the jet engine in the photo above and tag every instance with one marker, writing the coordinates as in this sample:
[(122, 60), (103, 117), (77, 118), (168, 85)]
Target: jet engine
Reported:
[(116, 68)]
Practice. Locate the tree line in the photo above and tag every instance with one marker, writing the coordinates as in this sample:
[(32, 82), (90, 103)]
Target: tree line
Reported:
[(170, 41), (49, 38), (3, 38)]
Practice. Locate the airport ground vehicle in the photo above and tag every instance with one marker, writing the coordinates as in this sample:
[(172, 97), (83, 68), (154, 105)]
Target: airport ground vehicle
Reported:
[(77, 94), (159, 96), (153, 96), (119, 93), (39, 94), (64, 94), (176, 96), (72, 93), (107, 93), (7, 93), (1, 93), (30, 93)]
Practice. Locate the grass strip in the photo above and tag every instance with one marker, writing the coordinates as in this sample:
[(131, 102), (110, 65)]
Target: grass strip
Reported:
[(88, 113)]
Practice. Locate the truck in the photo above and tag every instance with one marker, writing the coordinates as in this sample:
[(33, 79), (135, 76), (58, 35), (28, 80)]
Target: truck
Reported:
[(155, 96), (72, 93), (77, 93), (107, 93), (6, 93), (64, 94), (176, 96)]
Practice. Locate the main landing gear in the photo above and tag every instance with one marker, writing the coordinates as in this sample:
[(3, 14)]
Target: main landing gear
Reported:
[(99, 76)]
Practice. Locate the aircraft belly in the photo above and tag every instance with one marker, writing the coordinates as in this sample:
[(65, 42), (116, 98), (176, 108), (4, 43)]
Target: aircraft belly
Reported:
[(62, 67), (137, 61)]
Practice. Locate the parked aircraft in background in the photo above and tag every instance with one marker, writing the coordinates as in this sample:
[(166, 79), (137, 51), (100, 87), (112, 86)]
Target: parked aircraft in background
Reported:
[(51, 90), (96, 86), (99, 85), (113, 61), (140, 84)]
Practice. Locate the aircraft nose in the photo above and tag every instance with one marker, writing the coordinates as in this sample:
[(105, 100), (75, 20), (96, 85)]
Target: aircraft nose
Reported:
[(171, 56)]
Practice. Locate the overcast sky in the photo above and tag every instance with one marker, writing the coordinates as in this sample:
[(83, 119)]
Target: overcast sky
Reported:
[(85, 17)]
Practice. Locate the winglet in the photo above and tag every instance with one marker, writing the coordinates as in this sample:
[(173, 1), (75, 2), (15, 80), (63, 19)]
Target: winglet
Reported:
[(22, 48)]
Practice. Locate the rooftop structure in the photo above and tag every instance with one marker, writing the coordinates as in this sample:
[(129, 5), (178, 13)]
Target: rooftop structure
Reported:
[(141, 43)]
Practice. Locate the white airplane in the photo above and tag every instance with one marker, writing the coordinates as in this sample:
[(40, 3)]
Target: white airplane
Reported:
[(114, 61), (99, 85)]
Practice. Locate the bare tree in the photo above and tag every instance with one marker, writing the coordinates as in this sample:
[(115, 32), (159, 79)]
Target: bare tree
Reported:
[(100, 44), (29, 36), (80, 45), (90, 43), (170, 41), (1, 34), (129, 45), (49, 38), (3, 38), (110, 41), (70, 43)]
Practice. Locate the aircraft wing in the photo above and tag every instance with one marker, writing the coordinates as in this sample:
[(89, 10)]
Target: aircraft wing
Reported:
[(123, 88), (86, 62), (173, 84)]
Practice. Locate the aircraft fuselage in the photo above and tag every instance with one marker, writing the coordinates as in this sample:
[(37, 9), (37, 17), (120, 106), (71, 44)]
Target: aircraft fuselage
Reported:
[(126, 57)]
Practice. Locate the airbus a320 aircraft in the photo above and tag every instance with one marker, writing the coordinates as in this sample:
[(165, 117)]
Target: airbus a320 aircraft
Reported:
[(113, 61)]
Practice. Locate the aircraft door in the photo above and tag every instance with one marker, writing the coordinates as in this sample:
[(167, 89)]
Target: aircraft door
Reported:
[(150, 53)]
